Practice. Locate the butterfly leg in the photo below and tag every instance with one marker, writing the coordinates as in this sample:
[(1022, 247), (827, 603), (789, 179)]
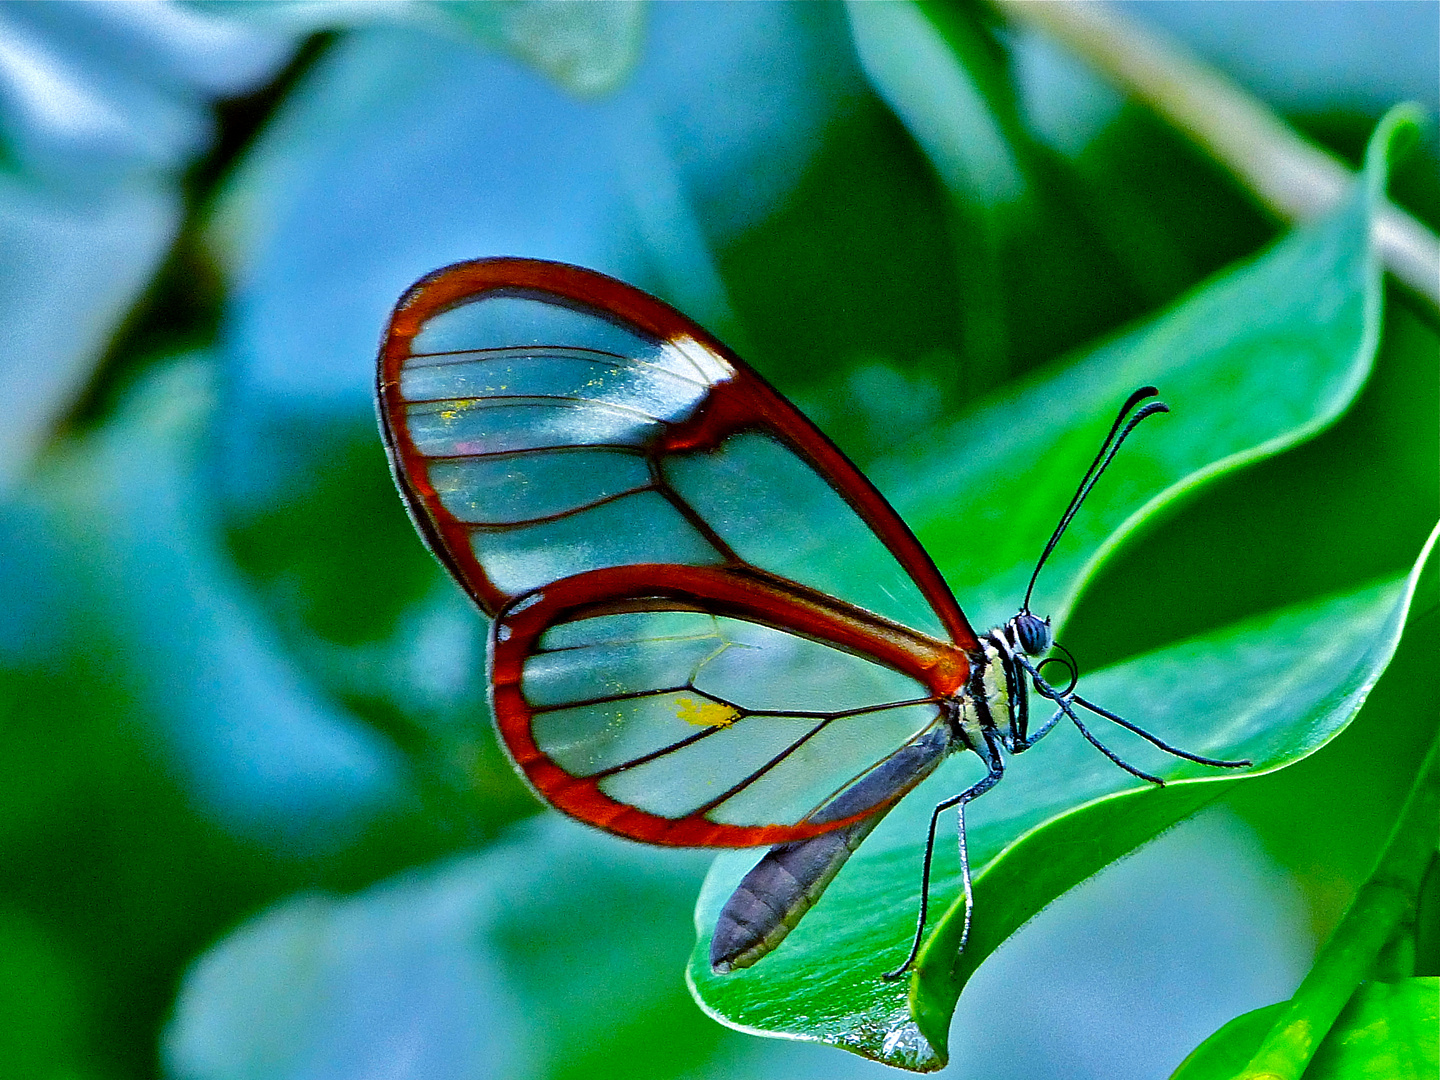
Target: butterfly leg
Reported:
[(1063, 701), (1128, 726), (996, 766), (1066, 699), (1041, 732)]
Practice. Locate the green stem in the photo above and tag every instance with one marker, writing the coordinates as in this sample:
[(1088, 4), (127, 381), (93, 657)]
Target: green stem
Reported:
[(1292, 177), (1381, 907)]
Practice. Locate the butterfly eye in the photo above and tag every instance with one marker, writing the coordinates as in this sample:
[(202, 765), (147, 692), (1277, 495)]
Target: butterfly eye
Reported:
[(1033, 633)]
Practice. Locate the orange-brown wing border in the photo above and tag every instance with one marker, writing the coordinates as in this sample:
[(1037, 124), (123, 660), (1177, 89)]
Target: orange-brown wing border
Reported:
[(939, 666), (744, 401)]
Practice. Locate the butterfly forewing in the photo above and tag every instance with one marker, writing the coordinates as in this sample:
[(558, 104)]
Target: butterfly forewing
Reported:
[(800, 528), (710, 622)]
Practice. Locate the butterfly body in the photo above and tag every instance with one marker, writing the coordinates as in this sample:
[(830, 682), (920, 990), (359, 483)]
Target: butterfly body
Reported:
[(988, 715), (710, 629)]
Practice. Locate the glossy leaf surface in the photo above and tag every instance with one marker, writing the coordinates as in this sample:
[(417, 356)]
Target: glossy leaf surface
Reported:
[(1305, 316), (1387, 1032), (1062, 813)]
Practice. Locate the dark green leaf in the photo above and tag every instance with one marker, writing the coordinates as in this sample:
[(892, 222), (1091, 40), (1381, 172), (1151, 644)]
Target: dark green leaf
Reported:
[(1283, 683), (1226, 1052), (1387, 1032), (1255, 362)]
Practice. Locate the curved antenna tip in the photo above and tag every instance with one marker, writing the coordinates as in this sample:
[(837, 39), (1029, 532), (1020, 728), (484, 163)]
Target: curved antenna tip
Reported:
[(1107, 452)]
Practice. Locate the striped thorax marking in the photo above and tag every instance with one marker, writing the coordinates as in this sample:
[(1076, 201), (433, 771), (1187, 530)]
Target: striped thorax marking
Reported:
[(993, 698)]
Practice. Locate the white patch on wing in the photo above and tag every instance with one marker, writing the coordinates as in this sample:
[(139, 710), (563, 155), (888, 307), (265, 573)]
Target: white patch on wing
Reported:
[(712, 367)]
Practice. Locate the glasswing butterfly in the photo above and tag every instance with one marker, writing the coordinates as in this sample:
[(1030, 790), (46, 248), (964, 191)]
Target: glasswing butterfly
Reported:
[(710, 629)]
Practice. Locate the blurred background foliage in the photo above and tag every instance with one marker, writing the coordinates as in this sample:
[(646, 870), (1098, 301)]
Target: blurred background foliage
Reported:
[(252, 814)]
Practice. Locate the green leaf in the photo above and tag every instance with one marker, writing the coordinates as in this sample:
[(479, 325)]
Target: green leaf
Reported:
[(589, 48), (1256, 361), (914, 59), (1284, 683), (1225, 1053), (1272, 689), (1372, 936), (1387, 1032)]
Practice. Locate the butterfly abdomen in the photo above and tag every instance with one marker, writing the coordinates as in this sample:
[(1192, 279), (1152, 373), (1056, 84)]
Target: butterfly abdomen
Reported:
[(785, 884)]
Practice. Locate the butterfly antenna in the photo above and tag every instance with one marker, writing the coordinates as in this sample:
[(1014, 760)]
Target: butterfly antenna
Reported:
[(1102, 461)]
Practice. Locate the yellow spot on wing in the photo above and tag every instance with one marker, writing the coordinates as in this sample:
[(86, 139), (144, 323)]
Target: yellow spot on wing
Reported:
[(705, 713)]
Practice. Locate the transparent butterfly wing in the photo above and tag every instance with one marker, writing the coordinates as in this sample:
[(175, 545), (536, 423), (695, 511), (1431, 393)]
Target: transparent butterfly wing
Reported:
[(693, 715), (558, 434)]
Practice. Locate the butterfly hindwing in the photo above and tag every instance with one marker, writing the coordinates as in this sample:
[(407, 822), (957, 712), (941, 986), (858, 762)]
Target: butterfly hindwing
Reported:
[(709, 622), (688, 726)]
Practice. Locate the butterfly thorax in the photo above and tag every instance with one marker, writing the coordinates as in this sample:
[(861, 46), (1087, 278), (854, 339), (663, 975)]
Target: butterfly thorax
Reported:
[(995, 702)]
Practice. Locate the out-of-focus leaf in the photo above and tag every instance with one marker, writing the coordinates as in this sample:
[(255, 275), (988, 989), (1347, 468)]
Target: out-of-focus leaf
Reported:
[(914, 65), (931, 71), (96, 252), (1320, 292), (322, 987), (43, 1002), (586, 46), (1387, 1032), (260, 748), (99, 95), (164, 768), (101, 107), (556, 953), (1048, 255)]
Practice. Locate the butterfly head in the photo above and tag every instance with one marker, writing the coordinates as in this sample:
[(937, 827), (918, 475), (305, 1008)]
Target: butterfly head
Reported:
[(1032, 633)]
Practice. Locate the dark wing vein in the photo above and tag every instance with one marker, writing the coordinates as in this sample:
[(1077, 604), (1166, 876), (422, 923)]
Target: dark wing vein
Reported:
[(735, 789), (541, 401), (691, 515), (655, 754), (741, 713), (628, 641), (559, 515), (629, 448), (628, 695), (548, 352), (525, 352), (843, 714)]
